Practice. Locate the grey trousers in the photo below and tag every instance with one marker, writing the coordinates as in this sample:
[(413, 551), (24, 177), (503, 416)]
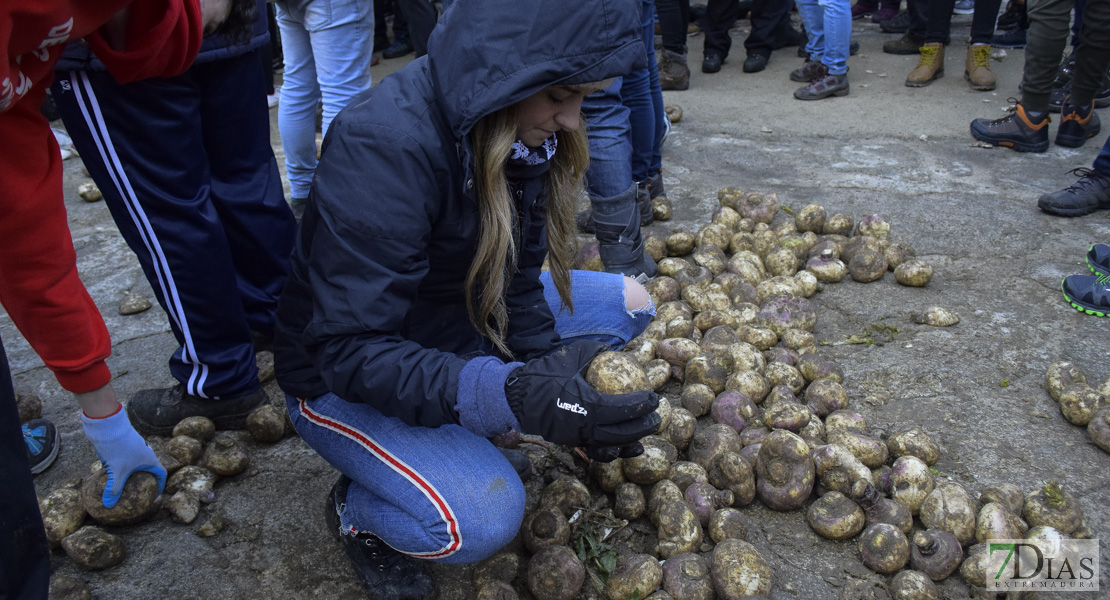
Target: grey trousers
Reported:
[(1049, 23)]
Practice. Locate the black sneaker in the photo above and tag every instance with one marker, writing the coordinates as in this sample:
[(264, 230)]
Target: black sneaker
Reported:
[(1076, 125), (756, 62), (157, 411), (711, 63), (1090, 193), (1010, 18), (1015, 131), (401, 46), (907, 44), (1088, 293), (383, 573), (41, 437), (1098, 259), (1057, 95), (1013, 38), (899, 23)]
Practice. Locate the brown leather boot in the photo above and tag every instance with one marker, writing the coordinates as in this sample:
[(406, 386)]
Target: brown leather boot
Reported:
[(930, 67), (673, 72), (977, 69)]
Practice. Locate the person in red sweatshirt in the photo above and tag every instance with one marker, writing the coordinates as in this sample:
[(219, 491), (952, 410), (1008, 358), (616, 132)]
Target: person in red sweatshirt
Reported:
[(39, 285)]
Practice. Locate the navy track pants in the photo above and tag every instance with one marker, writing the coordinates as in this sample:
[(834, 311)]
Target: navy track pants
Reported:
[(24, 556), (187, 171)]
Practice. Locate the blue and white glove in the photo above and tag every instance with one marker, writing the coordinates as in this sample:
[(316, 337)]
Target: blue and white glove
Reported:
[(123, 452)]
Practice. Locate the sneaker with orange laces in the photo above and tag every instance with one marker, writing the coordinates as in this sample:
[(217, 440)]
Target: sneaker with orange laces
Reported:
[(1016, 130), (1077, 125)]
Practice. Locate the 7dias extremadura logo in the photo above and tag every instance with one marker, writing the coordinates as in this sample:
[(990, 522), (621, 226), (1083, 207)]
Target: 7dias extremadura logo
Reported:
[(1058, 565)]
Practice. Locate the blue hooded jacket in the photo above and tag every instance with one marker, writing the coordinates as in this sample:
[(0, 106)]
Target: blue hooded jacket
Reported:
[(374, 308)]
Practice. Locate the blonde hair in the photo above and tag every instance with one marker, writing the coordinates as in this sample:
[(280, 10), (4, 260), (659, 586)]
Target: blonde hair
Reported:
[(495, 260)]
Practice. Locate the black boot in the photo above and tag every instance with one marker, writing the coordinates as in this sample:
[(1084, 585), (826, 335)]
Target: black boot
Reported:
[(645, 193), (384, 573), (617, 226)]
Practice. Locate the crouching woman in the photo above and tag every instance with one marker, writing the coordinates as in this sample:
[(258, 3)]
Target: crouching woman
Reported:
[(416, 323)]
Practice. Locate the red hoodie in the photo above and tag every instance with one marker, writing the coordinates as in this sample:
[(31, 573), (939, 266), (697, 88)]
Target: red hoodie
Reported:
[(39, 286)]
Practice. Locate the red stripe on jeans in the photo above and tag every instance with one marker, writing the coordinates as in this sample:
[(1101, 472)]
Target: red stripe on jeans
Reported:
[(404, 470)]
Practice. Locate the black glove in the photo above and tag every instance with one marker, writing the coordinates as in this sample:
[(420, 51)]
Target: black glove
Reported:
[(610, 453), (550, 398)]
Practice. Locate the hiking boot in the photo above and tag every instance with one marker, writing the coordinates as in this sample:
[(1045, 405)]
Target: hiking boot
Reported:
[(823, 87), (884, 14), (1010, 17), (977, 69), (929, 68), (655, 187), (1077, 125), (620, 242), (1090, 193), (1015, 130), (643, 202), (157, 411), (41, 438), (1013, 38), (673, 72), (853, 49), (756, 62), (899, 23), (863, 8), (1098, 259), (383, 573), (808, 72), (711, 63), (1088, 293), (907, 44)]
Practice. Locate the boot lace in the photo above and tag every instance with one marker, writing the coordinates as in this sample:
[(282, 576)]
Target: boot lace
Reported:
[(981, 55), (928, 55), (1088, 178)]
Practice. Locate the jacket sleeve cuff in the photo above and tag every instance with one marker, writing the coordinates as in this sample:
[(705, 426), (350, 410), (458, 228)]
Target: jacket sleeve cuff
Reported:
[(480, 402)]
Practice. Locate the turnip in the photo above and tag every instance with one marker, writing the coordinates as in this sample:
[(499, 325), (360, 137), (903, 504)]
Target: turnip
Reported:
[(1051, 506), (739, 571), (616, 373), (936, 553), (784, 471), (634, 576), (730, 471), (653, 464), (950, 507), (555, 573), (729, 523), (836, 517), (914, 442), (686, 577), (910, 482), (704, 499), (867, 266), (913, 273), (912, 585), (884, 548), (546, 527), (136, 502), (684, 472), (711, 441), (810, 218)]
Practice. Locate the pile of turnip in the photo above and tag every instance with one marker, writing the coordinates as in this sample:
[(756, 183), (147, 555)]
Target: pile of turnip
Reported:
[(1080, 403), (751, 411), (195, 458)]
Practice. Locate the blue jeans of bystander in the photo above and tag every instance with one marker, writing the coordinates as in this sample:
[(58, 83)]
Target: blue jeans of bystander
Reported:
[(327, 45), (445, 493), (829, 25)]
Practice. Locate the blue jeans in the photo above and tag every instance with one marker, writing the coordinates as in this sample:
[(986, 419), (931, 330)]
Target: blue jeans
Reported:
[(445, 493), (328, 45), (640, 92), (829, 25), (607, 122), (1102, 161), (625, 124)]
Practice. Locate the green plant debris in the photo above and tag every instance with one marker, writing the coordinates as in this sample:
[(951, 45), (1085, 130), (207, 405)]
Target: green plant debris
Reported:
[(599, 555), (938, 473), (1053, 493), (786, 209), (875, 333), (1004, 383)]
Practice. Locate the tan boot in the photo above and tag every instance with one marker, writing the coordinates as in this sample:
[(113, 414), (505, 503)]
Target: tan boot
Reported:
[(930, 67), (977, 69), (673, 72)]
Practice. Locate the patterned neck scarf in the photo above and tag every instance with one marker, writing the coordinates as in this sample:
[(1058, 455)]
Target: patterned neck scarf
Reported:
[(524, 156)]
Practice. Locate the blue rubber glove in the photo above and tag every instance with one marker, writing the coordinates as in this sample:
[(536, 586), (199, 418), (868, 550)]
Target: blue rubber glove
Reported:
[(123, 451)]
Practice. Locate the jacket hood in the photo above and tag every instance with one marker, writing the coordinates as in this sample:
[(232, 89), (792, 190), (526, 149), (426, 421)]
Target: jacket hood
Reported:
[(488, 54)]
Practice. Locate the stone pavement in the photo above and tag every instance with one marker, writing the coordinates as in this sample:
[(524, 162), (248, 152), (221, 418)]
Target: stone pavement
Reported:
[(905, 153)]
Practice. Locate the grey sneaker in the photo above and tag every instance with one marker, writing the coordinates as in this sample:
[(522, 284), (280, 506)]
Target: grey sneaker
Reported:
[(808, 72), (1090, 193), (823, 87)]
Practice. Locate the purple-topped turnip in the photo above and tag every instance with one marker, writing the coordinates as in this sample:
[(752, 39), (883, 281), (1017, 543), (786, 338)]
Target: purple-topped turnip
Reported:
[(731, 471), (784, 471), (704, 499), (884, 548), (836, 517), (936, 553)]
